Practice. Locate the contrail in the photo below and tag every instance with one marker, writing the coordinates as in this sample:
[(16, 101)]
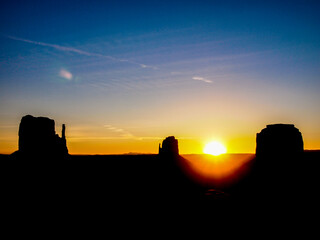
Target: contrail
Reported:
[(78, 51), (85, 53)]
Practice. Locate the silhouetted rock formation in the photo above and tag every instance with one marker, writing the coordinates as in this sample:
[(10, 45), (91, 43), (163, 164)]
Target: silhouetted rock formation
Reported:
[(279, 155), (169, 147), (174, 172), (37, 138), (282, 140)]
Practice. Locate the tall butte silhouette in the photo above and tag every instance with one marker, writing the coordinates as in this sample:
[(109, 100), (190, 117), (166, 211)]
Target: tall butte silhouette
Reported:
[(169, 147), (279, 149), (279, 153), (38, 140), (175, 172), (282, 140)]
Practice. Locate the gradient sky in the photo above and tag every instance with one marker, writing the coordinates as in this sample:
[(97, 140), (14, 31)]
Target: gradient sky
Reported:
[(123, 75)]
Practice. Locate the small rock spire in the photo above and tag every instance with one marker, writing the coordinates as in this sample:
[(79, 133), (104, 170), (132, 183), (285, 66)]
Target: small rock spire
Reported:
[(63, 135)]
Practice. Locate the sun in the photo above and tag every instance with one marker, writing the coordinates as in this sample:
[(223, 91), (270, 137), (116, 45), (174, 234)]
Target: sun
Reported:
[(214, 148)]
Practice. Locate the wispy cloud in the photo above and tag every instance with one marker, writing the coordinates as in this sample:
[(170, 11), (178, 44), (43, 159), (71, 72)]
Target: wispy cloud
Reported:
[(143, 66), (196, 78), (65, 74), (121, 132), (69, 76), (78, 51), (124, 134), (58, 47)]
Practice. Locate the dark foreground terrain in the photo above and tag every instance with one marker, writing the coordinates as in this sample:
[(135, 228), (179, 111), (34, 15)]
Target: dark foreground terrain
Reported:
[(94, 179), (98, 179)]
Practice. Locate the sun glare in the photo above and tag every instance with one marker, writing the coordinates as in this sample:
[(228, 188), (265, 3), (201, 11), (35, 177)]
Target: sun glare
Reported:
[(214, 148)]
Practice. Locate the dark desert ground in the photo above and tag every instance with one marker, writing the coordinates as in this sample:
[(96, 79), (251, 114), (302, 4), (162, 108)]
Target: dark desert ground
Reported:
[(101, 178)]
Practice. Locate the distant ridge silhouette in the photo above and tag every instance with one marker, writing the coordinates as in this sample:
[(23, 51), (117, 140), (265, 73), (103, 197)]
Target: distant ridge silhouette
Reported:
[(38, 139)]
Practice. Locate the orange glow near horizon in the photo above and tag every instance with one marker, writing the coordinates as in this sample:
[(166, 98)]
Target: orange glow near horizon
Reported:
[(123, 146), (83, 143), (224, 169)]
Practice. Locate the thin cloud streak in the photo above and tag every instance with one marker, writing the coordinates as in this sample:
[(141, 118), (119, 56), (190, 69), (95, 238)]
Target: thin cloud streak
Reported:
[(76, 138), (67, 75), (78, 51), (122, 133), (201, 79)]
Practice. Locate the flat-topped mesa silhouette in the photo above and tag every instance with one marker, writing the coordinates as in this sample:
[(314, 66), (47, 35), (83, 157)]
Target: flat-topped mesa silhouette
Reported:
[(279, 140), (37, 138), (276, 172), (169, 147)]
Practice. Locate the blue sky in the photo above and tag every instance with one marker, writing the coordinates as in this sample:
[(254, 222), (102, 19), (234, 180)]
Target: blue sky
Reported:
[(154, 68)]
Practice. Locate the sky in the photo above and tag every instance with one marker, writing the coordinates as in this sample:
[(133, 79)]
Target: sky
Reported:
[(123, 75)]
